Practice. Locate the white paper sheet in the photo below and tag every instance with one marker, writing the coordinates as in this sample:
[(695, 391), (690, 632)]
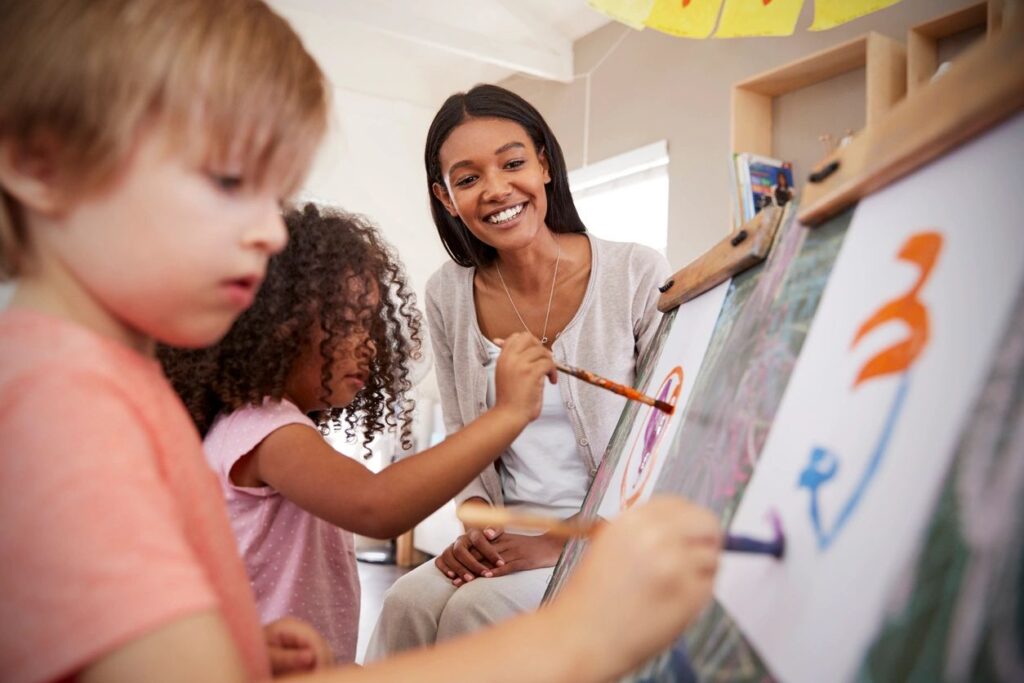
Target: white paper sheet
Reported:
[(870, 454), (671, 380)]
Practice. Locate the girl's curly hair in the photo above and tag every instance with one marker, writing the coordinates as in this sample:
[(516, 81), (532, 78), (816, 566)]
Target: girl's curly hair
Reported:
[(305, 286)]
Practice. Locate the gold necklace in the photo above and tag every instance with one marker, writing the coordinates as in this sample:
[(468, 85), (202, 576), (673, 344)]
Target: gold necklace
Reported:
[(551, 296)]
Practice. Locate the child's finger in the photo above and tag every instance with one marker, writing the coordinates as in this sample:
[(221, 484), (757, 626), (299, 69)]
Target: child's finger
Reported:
[(284, 660)]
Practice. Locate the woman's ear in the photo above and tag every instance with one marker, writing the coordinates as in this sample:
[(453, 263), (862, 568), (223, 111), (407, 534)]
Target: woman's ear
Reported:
[(441, 192), (28, 172), (542, 157)]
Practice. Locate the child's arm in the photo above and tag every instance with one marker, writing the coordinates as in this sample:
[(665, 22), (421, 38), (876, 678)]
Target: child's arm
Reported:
[(644, 578), (297, 462), (651, 569)]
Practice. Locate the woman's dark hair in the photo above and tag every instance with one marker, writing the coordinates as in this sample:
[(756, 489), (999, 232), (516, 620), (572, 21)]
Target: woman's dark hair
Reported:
[(305, 286), (490, 101)]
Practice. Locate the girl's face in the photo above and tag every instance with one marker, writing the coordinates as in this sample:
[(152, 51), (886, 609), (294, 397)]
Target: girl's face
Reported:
[(494, 180), (350, 366)]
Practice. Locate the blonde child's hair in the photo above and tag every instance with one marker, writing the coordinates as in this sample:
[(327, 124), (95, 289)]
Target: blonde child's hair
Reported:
[(228, 80)]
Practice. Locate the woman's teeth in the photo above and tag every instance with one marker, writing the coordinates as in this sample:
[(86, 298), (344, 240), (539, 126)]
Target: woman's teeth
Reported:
[(506, 215)]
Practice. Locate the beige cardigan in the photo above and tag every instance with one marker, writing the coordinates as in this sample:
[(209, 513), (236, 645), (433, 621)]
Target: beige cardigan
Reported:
[(612, 328)]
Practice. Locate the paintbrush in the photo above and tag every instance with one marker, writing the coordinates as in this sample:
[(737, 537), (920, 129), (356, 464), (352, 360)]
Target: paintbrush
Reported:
[(480, 515), (620, 389)]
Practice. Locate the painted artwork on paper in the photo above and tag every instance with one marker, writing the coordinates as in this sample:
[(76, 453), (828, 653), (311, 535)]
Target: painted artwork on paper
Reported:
[(868, 426), (652, 430), (921, 250)]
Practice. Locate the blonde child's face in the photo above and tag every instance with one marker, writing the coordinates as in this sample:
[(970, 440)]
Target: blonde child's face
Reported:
[(171, 250), (350, 367)]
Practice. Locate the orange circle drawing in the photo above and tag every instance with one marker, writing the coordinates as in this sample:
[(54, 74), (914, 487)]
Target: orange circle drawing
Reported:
[(631, 487)]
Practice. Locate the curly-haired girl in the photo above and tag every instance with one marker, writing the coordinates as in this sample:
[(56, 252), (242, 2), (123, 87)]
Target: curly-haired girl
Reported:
[(331, 334)]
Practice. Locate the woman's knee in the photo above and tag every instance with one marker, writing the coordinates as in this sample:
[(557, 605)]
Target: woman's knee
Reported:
[(418, 592)]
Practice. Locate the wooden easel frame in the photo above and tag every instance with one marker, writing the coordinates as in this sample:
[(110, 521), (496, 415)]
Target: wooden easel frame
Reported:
[(740, 250)]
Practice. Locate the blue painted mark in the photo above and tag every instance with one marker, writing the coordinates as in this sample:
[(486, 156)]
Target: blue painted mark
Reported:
[(824, 464)]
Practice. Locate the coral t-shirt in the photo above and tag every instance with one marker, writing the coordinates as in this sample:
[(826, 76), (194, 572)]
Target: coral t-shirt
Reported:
[(111, 523)]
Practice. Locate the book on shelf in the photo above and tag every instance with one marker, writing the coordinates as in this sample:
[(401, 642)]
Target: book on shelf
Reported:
[(759, 181)]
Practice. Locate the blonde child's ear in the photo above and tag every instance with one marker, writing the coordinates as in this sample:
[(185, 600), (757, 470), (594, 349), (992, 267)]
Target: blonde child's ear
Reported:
[(441, 192), (29, 174)]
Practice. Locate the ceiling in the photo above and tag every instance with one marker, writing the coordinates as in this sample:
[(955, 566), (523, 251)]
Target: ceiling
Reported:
[(421, 51)]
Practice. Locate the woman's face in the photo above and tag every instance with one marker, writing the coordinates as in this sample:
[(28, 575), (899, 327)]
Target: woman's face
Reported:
[(494, 180)]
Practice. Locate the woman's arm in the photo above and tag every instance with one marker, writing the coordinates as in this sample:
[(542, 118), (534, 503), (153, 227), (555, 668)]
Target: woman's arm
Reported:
[(654, 271), (444, 372)]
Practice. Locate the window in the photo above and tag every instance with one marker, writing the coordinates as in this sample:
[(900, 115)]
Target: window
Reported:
[(625, 198)]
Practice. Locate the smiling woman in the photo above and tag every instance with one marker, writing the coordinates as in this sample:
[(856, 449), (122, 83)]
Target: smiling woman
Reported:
[(521, 260)]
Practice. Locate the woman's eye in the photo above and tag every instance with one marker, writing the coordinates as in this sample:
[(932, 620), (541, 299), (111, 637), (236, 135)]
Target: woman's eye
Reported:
[(465, 180), (515, 163)]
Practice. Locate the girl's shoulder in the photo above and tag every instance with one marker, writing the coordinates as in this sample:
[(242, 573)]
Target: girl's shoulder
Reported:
[(237, 432)]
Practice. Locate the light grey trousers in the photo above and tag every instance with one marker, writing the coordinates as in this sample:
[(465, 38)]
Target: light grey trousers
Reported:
[(423, 607)]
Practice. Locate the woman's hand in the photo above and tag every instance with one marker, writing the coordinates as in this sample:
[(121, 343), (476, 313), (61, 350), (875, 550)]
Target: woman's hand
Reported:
[(471, 555), (527, 552), (295, 646)]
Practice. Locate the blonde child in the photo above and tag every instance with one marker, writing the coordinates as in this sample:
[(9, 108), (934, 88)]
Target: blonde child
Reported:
[(144, 148), (331, 334)]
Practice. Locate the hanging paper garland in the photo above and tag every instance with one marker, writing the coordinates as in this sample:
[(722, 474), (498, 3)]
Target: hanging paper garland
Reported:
[(735, 18)]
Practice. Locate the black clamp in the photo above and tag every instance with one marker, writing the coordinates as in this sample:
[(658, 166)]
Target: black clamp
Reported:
[(824, 172)]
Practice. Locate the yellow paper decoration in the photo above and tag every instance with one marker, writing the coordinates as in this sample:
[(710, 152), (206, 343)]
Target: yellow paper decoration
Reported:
[(759, 18), (632, 13), (831, 13), (685, 18)]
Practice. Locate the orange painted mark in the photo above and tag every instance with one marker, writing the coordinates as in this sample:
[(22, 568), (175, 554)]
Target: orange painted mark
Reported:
[(686, 3), (922, 250)]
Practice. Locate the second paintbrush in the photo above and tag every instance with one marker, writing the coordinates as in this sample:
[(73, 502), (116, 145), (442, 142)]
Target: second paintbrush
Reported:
[(620, 389)]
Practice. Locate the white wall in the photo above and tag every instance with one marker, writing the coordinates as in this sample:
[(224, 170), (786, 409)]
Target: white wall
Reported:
[(372, 163)]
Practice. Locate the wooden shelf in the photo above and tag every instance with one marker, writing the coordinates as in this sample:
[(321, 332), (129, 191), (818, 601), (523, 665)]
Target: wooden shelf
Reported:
[(884, 62), (985, 86), (923, 39)]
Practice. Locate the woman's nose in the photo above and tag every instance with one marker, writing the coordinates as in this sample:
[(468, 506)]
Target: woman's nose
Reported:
[(496, 188)]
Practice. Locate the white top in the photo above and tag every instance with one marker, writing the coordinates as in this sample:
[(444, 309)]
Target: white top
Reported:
[(614, 325), (541, 470)]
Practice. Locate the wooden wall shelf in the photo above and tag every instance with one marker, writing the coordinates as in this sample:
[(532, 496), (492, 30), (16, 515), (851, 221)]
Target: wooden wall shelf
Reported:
[(923, 39), (884, 62)]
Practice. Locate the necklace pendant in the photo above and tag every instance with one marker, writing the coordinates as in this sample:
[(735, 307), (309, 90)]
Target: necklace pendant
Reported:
[(543, 340)]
